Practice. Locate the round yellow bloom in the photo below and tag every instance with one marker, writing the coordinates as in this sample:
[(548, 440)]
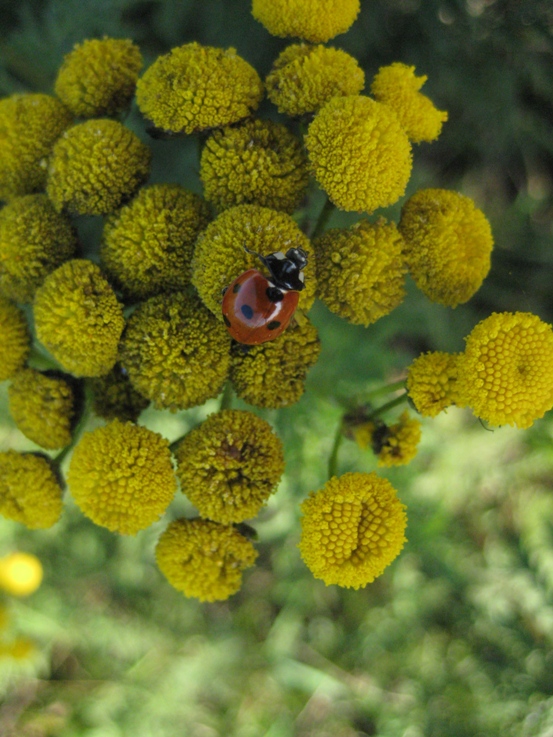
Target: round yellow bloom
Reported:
[(398, 87), (195, 87), (29, 126), (204, 559), (29, 490), (175, 352), (230, 465), (20, 574), (273, 374), (121, 476), (99, 76), (78, 318), (506, 371), (312, 20), (34, 240), (359, 153), (360, 270), (448, 245), (16, 341), (258, 162), (95, 166), (114, 396), (398, 445), (42, 407), (20, 649), (147, 246), (431, 382), (220, 257), (352, 529), (304, 77)]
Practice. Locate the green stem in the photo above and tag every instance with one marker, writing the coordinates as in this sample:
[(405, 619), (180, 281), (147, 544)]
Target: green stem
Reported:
[(333, 459), (389, 405), (79, 427), (227, 397), (324, 215), (387, 389)]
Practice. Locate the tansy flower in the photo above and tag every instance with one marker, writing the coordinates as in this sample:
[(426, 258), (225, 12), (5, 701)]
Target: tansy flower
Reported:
[(20, 574), (359, 153), (20, 649), (99, 76), (431, 382), (34, 240), (397, 444), (29, 126), (230, 465), (42, 406), (448, 245), (398, 87), (175, 352), (220, 257), (95, 166), (147, 245), (78, 318), (352, 529), (360, 271), (273, 374), (312, 20), (195, 87), (16, 341), (121, 476), (204, 559), (258, 162), (506, 371), (114, 396), (304, 77), (29, 490)]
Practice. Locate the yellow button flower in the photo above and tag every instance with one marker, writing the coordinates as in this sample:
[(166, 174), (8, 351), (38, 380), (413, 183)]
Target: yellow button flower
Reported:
[(431, 382), (448, 245), (20, 574), (352, 529), (115, 397), (29, 490), (204, 559), (16, 341), (397, 444), (312, 20)]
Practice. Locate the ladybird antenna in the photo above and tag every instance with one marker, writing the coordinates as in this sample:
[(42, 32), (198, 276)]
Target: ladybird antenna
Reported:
[(254, 253)]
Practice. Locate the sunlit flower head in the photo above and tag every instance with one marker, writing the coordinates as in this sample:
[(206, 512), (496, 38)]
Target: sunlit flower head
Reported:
[(29, 490), (16, 341), (20, 574), (432, 381), (312, 20), (115, 397)]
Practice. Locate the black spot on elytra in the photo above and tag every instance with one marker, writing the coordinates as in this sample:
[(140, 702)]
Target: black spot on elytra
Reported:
[(226, 321), (273, 325), (247, 311), (236, 288), (274, 294)]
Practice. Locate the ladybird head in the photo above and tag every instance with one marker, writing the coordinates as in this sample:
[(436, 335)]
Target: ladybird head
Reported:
[(286, 270)]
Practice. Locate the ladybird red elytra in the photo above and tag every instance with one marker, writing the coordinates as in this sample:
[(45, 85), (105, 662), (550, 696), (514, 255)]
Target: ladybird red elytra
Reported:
[(257, 308)]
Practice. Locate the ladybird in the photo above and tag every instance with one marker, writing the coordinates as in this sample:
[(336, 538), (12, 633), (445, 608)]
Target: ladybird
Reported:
[(257, 308)]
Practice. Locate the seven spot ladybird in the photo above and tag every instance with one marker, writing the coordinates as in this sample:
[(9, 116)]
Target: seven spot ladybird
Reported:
[(257, 308)]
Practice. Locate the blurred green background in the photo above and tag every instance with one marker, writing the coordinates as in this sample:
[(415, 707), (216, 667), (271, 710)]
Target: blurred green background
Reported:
[(456, 638)]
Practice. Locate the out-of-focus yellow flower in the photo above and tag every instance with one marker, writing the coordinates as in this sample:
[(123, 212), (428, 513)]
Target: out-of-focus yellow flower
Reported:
[(398, 445), (352, 529), (448, 245), (121, 476), (34, 240), (20, 649), (99, 76), (176, 353), (312, 20), (114, 396), (359, 153), (230, 465), (195, 87), (398, 87), (29, 126), (29, 490), (258, 162), (204, 559), (95, 166), (360, 270), (304, 77), (20, 574), (78, 318), (431, 382), (147, 245), (506, 371), (220, 257), (16, 341)]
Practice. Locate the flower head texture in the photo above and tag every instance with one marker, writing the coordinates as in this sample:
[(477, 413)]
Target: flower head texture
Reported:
[(398, 87), (175, 352), (20, 574), (121, 476), (360, 270), (99, 76), (312, 20), (195, 87), (359, 153), (229, 465), (431, 382), (16, 341), (95, 167), (397, 444), (506, 371), (114, 396), (448, 245), (34, 240), (29, 126), (203, 559), (352, 529), (304, 77), (29, 490), (147, 245), (258, 162)]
